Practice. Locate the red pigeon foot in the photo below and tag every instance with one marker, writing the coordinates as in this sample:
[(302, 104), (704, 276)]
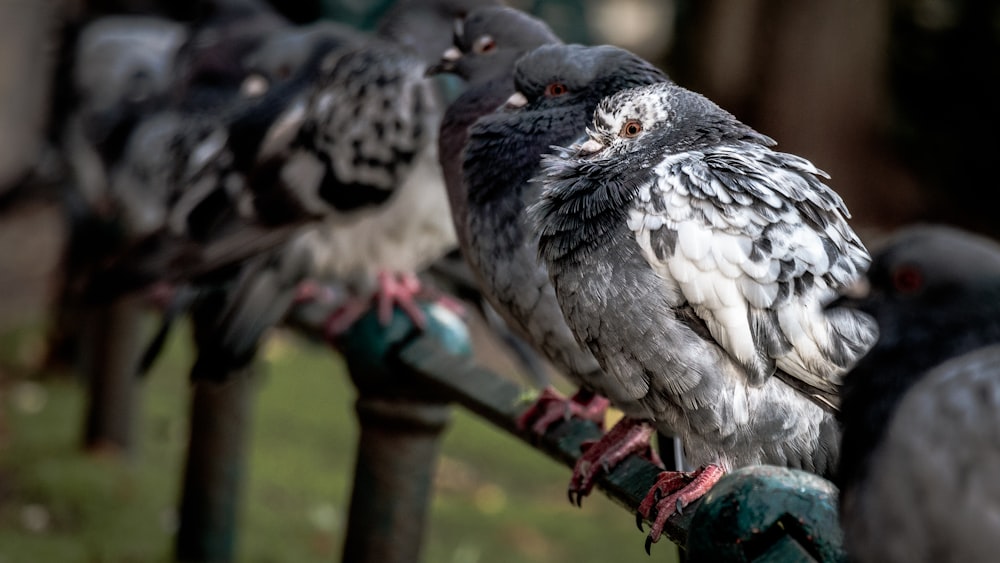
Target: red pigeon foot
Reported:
[(551, 407), (673, 491), (394, 289), (626, 437)]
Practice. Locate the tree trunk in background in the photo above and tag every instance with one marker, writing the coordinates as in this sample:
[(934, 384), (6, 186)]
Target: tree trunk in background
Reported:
[(812, 75), (26, 32)]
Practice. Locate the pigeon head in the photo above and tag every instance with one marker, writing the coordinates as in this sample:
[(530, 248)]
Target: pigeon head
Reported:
[(575, 75), (935, 292), (284, 52), (677, 118), (124, 66), (489, 40), (925, 275), (425, 26)]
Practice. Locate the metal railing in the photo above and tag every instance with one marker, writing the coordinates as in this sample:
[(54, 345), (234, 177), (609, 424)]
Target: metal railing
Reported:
[(407, 382)]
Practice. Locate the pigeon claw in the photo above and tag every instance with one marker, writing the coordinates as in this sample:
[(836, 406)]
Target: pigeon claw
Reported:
[(629, 436), (552, 407), (672, 492), (399, 289), (394, 290)]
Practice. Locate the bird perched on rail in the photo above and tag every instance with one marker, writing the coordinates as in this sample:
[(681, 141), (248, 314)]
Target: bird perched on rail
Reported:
[(558, 87), (377, 250), (694, 262), (486, 45), (119, 69), (921, 411), (200, 193)]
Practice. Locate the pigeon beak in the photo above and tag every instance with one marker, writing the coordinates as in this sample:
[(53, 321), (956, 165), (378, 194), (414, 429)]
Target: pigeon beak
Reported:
[(516, 100), (254, 86), (446, 64), (590, 147)]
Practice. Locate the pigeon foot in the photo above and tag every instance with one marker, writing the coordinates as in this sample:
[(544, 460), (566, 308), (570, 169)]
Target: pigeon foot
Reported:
[(626, 437), (551, 407), (673, 491), (394, 290)]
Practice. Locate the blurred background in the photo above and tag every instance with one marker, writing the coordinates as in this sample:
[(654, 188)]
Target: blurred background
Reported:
[(895, 99)]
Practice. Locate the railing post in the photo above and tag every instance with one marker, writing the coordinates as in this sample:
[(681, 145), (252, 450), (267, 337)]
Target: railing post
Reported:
[(401, 428), (215, 468), (110, 369), (393, 477)]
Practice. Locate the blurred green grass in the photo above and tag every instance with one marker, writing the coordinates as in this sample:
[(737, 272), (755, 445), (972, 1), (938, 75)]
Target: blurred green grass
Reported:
[(496, 501)]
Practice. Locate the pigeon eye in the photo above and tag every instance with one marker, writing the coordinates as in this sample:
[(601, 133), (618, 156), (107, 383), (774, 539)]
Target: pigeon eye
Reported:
[(907, 279), (484, 44), (631, 129), (555, 89)]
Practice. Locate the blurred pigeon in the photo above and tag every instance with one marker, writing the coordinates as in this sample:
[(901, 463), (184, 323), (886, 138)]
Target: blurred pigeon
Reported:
[(202, 194), (119, 69), (122, 70), (558, 87), (694, 262), (376, 250), (919, 454), (931, 493), (214, 61)]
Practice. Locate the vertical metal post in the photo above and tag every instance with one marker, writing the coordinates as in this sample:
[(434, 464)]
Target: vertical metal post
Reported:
[(110, 371), (393, 477), (215, 468)]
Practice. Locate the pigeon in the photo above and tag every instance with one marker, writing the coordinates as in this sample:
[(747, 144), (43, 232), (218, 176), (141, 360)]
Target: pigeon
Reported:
[(920, 410), (931, 493), (486, 46), (118, 69), (558, 87), (214, 61), (378, 250), (694, 262), (206, 197)]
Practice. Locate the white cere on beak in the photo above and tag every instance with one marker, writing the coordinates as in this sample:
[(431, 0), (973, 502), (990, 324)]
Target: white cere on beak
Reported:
[(253, 86), (517, 100), (451, 55), (590, 147)]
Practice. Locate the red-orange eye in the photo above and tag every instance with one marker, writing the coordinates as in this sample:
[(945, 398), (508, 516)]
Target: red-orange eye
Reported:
[(908, 279), (631, 129), (484, 44), (555, 89)]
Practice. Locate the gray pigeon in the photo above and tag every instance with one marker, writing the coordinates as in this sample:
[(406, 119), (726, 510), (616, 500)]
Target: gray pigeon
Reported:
[(931, 492), (694, 262), (119, 69), (558, 87), (921, 411), (487, 45), (123, 69)]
